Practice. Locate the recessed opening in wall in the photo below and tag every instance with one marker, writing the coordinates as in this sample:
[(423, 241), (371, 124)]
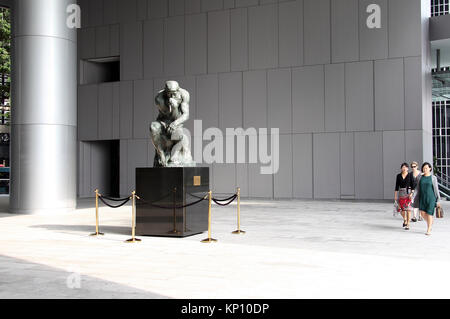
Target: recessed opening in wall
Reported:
[(100, 70), (105, 167)]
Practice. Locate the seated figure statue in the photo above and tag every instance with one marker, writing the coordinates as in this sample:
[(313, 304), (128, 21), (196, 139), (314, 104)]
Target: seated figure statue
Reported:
[(172, 147)]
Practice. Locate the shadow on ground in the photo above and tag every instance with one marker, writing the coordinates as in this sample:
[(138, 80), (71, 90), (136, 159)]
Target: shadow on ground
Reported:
[(22, 279)]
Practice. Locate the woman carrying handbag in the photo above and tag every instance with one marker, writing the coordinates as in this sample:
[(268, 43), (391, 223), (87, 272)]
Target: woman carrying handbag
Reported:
[(426, 196)]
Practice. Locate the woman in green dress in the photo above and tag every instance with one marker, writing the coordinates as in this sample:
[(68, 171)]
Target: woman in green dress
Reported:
[(426, 196)]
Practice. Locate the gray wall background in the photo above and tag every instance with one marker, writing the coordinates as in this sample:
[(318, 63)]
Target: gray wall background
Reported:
[(351, 103)]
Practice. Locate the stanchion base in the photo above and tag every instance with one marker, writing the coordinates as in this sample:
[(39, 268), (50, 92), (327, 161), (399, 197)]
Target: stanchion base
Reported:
[(209, 240), (174, 232), (133, 240), (97, 234), (238, 232)]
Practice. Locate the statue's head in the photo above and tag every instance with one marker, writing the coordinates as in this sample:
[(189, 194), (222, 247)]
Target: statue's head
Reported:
[(171, 86)]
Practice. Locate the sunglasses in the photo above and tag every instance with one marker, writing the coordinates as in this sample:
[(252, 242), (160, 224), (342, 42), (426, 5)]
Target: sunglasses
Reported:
[(413, 166)]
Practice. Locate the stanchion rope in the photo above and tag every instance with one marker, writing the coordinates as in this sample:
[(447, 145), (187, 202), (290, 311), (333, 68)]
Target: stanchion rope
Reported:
[(114, 206), (230, 200), (114, 199)]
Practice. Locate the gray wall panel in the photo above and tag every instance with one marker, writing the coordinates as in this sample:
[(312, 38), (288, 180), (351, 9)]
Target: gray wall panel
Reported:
[(196, 49), (228, 4), (317, 31), (158, 85), (308, 99), (209, 5), (219, 41), (174, 46), (389, 95), (279, 99), (224, 176), (123, 174), (347, 157), (95, 12), (282, 180), (102, 43), (413, 93), (260, 186), (142, 9), (143, 110), (393, 157), (230, 100), (105, 111), (79, 169), (85, 170), (291, 33), (344, 31), (131, 51), (373, 43), (137, 157), (116, 110), (110, 15), (369, 165), (326, 166), (303, 168), (127, 10), (404, 28), (192, 6), (87, 112), (87, 43), (176, 7), (255, 99), (153, 46), (360, 96), (239, 39), (413, 147), (208, 100), (246, 3), (335, 97), (114, 37), (157, 9), (263, 37), (126, 109), (242, 178)]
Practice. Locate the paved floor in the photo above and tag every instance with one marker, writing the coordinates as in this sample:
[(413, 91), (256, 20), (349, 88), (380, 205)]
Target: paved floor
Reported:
[(292, 249)]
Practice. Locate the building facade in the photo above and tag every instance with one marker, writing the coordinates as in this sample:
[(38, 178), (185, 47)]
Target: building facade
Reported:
[(352, 103)]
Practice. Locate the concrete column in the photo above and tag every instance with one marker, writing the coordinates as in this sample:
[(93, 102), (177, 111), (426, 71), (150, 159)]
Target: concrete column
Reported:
[(44, 108)]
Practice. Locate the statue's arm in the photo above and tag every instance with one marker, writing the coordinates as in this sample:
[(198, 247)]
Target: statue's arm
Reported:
[(184, 107), (159, 101)]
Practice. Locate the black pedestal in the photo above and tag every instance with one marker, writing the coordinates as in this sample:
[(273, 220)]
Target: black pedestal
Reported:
[(165, 187)]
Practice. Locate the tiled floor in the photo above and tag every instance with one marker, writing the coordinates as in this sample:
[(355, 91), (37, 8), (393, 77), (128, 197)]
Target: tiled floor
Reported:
[(292, 249)]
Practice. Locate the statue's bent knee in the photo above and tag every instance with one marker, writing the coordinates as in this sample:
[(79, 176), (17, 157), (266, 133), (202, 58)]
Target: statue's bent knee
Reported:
[(155, 128)]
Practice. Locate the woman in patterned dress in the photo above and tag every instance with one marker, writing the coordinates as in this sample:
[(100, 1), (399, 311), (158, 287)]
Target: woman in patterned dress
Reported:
[(404, 188)]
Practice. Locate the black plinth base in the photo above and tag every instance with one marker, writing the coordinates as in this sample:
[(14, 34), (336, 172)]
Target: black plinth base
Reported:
[(165, 186)]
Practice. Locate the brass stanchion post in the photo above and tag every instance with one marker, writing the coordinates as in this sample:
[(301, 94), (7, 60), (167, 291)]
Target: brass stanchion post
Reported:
[(209, 239), (97, 233), (238, 231), (174, 201), (133, 219)]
